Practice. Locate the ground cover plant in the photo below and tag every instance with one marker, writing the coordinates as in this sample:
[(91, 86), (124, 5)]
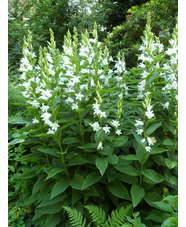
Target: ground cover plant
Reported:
[(100, 141)]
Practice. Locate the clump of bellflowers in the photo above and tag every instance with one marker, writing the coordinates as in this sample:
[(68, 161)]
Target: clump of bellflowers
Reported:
[(78, 78)]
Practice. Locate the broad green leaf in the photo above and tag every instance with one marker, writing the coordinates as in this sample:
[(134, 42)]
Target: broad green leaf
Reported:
[(53, 172), (137, 194), (51, 151), (170, 164), (76, 196), (168, 142), (53, 219), (88, 146), (151, 197), (29, 158), (153, 176), (152, 128), (120, 141), (171, 222), (51, 209), (155, 150), (142, 154), (91, 179), (60, 187), (130, 157), (113, 159), (16, 141), (127, 169), (77, 160), (47, 201), (39, 183), (163, 206), (157, 216), (101, 164), (71, 140), (119, 190), (127, 178), (77, 181)]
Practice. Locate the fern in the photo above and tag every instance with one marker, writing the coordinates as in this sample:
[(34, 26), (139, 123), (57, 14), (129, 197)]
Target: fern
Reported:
[(97, 214), (75, 217), (118, 217)]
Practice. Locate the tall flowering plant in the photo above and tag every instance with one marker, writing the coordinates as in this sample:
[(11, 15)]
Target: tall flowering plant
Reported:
[(97, 130)]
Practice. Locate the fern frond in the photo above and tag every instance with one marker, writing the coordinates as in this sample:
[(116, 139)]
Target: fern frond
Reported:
[(75, 217), (98, 215), (118, 216)]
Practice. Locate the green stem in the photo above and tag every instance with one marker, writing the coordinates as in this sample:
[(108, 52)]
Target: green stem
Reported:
[(63, 160), (80, 124)]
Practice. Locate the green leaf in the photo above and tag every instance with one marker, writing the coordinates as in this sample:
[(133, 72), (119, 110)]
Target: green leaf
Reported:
[(77, 160), (153, 176), (53, 172), (171, 222), (157, 216), (163, 206), (77, 181), (60, 187), (53, 220), (71, 140), (51, 151), (51, 209), (168, 142), (130, 157), (141, 154), (47, 201), (152, 128), (151, 197), (170, 164), (113, 159), (120, 141), (101, 164), (119, 190), (91, 179), (137, 194), (88, 146), (16, 141), (157, 151), (128, 169)]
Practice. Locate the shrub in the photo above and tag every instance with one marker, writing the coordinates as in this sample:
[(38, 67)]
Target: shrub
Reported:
[(98, 134)]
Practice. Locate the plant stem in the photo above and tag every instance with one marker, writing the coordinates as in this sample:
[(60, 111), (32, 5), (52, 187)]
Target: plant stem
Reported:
[(63, 160)]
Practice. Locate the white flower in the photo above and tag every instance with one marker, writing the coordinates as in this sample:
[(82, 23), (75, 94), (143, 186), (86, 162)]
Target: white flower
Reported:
[(139, 123), (96, 106), (34, 121), (35, 103), (143, 140), (118, 132), (44, 108), (69, 99), (149, 114), (103, 114), (91, 82), (79, 96), (115, 123), (97, 111), (106, 129), (139, 131), (74, 106), (96, 126), (150, 141), (50, 132), (100, 147), (54, 126), (166, 105), (148, 149), (23, 76), (25, 94), (46, 117)]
